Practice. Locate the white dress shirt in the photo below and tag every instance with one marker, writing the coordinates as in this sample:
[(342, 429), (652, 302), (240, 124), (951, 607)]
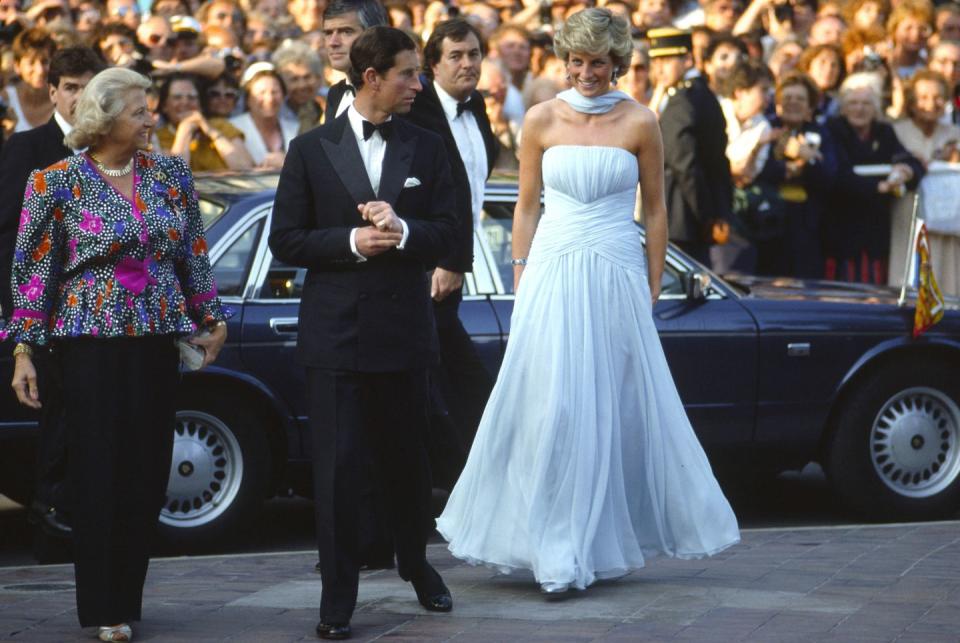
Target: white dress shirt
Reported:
[(372, 152), (466, 133), (65, 127), (347, 99)]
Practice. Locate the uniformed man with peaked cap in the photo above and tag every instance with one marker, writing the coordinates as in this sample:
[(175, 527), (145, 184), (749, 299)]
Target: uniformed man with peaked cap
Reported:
[(698, 187)]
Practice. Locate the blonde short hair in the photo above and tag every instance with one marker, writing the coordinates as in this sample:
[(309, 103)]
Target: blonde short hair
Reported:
[(598, 32), (100, 105)]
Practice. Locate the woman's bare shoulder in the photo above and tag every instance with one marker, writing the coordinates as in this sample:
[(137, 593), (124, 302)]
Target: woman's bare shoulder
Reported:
[(541, 114), (638, 113)]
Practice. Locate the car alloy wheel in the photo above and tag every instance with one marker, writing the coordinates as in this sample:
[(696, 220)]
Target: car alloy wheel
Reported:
[(205, 474), (915, 442)]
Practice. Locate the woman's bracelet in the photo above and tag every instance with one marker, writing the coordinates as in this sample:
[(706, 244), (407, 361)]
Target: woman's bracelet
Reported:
[(519, 261), (22, 349)]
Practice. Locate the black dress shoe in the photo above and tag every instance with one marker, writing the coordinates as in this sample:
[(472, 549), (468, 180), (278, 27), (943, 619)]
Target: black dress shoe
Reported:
[(333, 631), (49, 520), (431, 591)]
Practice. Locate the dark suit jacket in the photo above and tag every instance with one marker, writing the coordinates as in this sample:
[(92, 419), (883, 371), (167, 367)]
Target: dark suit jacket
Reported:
[(333, 101), (23, 153), (697, 179), (428, 113), (372, 316), (860, 216)]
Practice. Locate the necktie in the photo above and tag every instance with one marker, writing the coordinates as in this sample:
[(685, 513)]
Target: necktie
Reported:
[(462, 107), (385, 128)]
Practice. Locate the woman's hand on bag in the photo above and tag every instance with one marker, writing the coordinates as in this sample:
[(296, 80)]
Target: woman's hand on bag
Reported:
[(211, 342), (25, 381)]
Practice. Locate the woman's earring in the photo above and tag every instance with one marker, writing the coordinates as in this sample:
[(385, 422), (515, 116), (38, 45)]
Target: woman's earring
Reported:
[(615, 75)]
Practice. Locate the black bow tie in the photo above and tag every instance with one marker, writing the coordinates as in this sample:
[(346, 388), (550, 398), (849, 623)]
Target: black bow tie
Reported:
[(462, 107), (385, 128), (347, 87)]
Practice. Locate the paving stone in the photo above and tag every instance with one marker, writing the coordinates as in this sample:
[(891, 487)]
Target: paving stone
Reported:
[(873, 583)]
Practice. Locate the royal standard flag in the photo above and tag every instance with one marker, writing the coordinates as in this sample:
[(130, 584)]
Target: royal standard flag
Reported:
[(929, 298)]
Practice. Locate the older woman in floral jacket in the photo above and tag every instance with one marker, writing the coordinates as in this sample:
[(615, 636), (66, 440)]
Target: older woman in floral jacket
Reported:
[(110, 268)]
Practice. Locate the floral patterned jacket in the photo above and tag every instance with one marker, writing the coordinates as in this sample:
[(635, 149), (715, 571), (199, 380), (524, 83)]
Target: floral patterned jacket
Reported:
[(89, 262)]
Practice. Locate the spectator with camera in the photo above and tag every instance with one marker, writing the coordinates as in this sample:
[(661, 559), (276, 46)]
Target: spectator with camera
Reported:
[(203, 143), (302, 71), (803, 167)]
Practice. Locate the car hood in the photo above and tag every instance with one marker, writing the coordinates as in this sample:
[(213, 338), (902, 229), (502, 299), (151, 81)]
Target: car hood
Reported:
[(785, 288)]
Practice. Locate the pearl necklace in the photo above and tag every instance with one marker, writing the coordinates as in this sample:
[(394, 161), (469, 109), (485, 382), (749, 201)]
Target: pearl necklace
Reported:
[(125, 170)]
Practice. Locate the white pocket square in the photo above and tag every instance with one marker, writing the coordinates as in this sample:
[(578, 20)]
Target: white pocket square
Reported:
[(411, 182)]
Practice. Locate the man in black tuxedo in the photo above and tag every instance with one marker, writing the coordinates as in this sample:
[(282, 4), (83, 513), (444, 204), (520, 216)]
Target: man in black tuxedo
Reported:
[(343, 22), (451, 106), (365, 202), (70, 71), (697, 182)]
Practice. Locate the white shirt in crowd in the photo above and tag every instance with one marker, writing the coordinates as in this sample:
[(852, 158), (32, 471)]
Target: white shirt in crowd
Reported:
[(466, 133), (372, 152)]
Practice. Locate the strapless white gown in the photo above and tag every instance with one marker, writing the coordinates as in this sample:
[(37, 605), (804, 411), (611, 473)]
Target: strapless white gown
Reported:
[(585, 462)]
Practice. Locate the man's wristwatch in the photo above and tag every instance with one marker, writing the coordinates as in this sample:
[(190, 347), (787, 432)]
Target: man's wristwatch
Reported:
[(22, 349)]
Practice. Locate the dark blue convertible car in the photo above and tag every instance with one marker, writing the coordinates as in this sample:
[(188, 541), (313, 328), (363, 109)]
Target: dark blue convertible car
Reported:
[(773, 373)]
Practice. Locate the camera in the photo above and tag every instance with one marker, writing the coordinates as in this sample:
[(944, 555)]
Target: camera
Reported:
[(872, 61), (783, 12)]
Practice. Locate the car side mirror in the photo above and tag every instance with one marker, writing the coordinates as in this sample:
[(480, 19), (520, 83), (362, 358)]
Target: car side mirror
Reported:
[(695, 285)]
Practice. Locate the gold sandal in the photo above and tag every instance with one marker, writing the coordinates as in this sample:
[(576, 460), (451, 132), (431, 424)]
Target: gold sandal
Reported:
[(120, 632)]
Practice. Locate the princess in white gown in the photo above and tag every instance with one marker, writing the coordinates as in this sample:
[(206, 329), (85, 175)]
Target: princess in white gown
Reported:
[(585, 463)]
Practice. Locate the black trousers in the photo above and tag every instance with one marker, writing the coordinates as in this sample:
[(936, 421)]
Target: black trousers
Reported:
[(119, 409), (463, 385), (51, 484), (368, 433)]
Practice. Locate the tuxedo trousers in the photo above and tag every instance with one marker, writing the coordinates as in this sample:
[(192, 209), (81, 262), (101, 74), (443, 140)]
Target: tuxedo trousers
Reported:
[(119, 411), (368, 434), (464, 385)]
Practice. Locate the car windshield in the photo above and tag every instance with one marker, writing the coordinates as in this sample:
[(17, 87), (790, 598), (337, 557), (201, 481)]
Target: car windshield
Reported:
[(216, 188)]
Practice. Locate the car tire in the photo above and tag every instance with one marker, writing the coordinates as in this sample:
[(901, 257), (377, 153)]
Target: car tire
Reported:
[(219, 475), (895, 453)]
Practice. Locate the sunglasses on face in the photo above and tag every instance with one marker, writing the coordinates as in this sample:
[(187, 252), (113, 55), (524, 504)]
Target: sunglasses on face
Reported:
[(122, 12), (185, 97), (232, 94)]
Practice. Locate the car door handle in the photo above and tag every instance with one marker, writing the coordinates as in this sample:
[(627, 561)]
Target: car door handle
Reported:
[(285, 325)]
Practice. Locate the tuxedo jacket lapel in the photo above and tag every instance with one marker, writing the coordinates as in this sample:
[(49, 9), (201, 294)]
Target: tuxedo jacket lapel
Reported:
[(344, 154), (396, 162)]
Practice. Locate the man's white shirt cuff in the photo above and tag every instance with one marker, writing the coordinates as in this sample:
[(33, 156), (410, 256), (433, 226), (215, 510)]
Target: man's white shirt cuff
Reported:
[(353, 246), (400, 246)]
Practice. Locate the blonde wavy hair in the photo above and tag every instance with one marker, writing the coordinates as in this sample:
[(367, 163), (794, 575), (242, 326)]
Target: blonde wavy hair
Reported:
[(597, 32), (100, 105)]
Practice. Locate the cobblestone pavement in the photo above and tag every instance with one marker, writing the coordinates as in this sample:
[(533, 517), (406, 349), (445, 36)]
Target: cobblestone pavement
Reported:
[(864, 583)]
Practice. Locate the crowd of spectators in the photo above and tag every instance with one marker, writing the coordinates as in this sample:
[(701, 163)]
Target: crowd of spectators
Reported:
[(810, 89)]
